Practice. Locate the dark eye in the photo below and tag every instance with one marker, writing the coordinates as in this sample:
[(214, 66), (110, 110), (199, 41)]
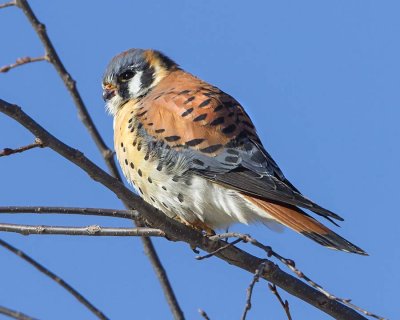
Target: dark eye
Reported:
[(125, 76)]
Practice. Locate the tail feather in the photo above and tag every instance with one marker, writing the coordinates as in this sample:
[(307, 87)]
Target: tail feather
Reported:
[(301, 222)]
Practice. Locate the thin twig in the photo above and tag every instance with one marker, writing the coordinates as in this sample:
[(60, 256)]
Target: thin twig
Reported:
[(291, 265), (56, 278), (22, 61), (7, 4), (92, 230), (255, 279), (178, 231), (219, 250), (204, 314), (8, 151), (15, 314), (284, 304), (126, 214), (69, 83), (107, 154)]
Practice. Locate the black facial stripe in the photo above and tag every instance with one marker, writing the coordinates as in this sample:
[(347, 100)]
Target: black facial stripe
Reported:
[(123, 90), (147, 77)]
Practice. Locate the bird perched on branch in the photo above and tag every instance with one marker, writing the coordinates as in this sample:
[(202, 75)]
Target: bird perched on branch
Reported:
[(191, 151)]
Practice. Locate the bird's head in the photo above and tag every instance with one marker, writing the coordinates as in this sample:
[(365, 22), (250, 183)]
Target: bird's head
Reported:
[(132, 74)]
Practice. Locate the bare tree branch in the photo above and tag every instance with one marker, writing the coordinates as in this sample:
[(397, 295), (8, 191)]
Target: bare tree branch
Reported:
[(92, 230), (56, 278), (291, 265), (8, 151), (107, 154), (15, 314), (219, 249), (127, 214), (22, 61), (285, 305), (69, 83), (256, 278), (177, 231), (7, 4), (204, 314)]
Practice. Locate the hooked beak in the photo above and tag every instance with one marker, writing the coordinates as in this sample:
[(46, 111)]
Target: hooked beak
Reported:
[(109, 92)]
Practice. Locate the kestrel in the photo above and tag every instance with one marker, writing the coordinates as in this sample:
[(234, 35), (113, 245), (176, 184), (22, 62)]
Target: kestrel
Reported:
[(191, 151)]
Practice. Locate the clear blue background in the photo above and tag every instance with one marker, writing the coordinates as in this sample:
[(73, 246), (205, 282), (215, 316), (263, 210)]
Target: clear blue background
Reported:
[(319, 78)]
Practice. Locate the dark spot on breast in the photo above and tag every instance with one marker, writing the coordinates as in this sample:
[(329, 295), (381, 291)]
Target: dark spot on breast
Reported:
[(147, 156), (139, 126), (172, 138), (187, 112), (175, 178), (194, 142), (150, 124), (152, 199), (164, 188), (140, 190), (180, 197), (164, 205), (229, 129), (204, 103), (130, 120), (134, 142), (126, 162), (150, 180), (140, 172), (122, 144), (211, 149), (188, 100), (132, 129), (130, 126), (219, 107), (200, 117), (142, 113), (159, 130), (159, 167), (139, 146), (132, 165), (159, 96), (123, 149), (217, 121)]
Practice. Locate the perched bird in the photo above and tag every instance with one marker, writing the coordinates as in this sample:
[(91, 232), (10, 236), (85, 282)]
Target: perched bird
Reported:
[(191, 151)]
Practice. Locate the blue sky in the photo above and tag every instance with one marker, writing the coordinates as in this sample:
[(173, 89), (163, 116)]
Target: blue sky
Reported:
[(320, 79)]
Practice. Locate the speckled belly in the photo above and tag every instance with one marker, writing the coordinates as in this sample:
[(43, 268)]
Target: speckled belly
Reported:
[(161, 177)]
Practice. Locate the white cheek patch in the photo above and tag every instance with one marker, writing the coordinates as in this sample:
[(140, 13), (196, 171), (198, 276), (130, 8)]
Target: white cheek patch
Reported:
[(135, 85), (113, 104)]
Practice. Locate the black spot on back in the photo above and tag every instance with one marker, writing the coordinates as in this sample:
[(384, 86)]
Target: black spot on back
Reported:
[(187, 112), (211, 149), (194, 142), (200, 117), (217, 121), (204, 103), (172, 138)]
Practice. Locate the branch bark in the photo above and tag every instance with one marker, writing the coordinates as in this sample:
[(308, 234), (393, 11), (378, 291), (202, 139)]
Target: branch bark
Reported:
[(177, 231), (126, 214), (93, 230), (15, 314)]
